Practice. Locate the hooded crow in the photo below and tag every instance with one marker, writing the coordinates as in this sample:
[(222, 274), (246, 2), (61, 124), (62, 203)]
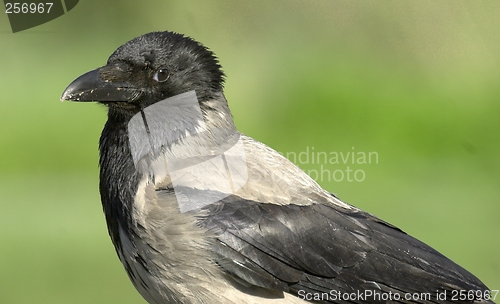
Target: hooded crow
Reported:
[(200, 213)]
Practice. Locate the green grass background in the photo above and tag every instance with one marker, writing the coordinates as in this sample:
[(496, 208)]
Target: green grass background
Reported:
[(418, 82)]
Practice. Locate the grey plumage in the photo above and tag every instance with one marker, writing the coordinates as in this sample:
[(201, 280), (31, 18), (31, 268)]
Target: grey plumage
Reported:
[(200, 213)]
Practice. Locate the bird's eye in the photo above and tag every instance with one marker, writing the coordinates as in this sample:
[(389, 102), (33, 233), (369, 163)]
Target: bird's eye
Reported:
[(161, 75)]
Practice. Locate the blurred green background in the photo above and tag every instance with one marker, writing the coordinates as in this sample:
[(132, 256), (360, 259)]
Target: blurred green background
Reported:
[(417, 82)]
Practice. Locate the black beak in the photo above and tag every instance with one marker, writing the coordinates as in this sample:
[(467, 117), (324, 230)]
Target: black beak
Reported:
[(91, 87)]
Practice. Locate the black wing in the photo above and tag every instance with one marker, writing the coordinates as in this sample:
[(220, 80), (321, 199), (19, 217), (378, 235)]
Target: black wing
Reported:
[(314, 249)]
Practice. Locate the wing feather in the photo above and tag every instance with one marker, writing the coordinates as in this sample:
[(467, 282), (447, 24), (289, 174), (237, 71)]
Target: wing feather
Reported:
[(321, 248)]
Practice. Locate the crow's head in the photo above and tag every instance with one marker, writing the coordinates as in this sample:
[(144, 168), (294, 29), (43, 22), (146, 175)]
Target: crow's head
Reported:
[(148, 69)]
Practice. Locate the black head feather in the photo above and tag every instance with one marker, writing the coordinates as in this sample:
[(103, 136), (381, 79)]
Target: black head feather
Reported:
[(183, 63)]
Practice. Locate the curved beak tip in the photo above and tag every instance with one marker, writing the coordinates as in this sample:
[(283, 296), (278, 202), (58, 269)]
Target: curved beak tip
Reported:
[(91, 87), (79, 89), (65, 96)]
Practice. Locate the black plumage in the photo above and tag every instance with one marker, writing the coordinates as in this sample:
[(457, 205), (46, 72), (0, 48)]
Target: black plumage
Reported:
[(257, 242), (356, 249)]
